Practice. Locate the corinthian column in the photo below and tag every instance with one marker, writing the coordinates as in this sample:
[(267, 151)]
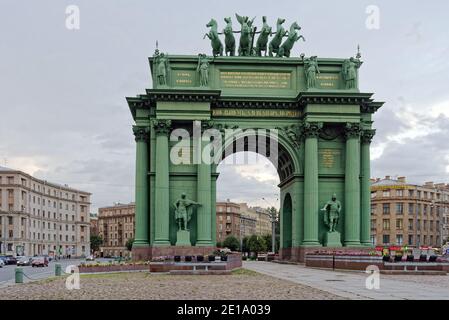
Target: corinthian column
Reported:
[(141, 210), (352, 185), (161, 201), (311, 132), (365, 233)]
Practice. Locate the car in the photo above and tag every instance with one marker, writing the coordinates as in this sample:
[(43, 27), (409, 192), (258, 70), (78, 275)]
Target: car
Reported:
[(2, 263), (24, 261), (39, 262), (90, 258), (10, 259)]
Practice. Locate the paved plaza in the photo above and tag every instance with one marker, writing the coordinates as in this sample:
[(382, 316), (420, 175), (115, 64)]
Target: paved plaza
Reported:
[(351, 285), (241, 285)]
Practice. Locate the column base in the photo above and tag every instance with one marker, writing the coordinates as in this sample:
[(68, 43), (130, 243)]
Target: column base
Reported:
[(161, 243), (203, 243), (310, 243), (367, 244), (352, 244)]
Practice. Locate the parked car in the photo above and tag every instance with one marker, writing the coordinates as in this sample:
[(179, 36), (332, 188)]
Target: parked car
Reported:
[(10, 259), (39, 262), (2, 263), (24, 261), (3, 259), (90, 258)]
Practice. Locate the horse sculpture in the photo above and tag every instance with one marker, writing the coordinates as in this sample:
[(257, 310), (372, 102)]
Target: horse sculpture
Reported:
[(245, 35), (229, 37), (277, 39), (286, 47), (262, 40), (217, 46)]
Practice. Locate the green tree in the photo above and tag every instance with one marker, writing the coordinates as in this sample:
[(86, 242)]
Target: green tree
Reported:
[(95, 242), (268, 241), (219, 244), (129, 244), (232, 243), (245, 247), (256, 244)]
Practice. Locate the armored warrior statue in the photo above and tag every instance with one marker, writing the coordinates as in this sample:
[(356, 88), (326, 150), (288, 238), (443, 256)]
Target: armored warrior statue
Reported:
[(183, 211), (332, 213)]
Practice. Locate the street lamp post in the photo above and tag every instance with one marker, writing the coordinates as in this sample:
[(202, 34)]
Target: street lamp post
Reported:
[(273, 226)]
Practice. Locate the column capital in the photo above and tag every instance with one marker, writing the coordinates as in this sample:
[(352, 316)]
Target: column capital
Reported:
[(352, 130), (162, 126), (141, 133), (312, 129), (367, 135)]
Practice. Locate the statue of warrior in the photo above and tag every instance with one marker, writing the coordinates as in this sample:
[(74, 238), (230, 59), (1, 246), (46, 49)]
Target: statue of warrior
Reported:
[(332, 213), (183, 211)]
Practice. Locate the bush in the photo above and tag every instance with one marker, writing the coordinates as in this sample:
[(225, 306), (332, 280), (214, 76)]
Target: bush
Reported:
[(232, 243), (219, 244)]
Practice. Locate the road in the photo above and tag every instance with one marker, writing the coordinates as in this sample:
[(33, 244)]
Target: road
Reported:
[(7, 273), (352, 285)]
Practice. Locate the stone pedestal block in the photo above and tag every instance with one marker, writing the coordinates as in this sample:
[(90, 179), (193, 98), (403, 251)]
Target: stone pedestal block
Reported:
[(183, 238), (332, 239)]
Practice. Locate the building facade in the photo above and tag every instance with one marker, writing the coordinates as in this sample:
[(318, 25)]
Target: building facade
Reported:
[(248, 225), (228, 220), (262, 217), (408, 214), (42, 218), (93, 224), (116, 227)]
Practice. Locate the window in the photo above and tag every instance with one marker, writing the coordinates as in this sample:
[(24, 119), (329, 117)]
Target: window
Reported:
[(399, 239), (386, 239), (411, 208), (410, 239), (410, 224), (373, 194), (386, 193), (425, 209), (400, 193), (386, 208), (399, 208), (410, 193), (386, 224), (398, 224), (373, 208)]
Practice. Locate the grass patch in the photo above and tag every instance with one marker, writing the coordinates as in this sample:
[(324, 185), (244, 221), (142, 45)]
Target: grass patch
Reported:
[(245, 272)]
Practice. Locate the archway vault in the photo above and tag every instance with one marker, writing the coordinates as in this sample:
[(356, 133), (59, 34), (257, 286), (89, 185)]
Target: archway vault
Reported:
[(323, 139)]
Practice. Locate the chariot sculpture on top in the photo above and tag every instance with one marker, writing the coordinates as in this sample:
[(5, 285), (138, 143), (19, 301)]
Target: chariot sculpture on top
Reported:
[(277, 45)]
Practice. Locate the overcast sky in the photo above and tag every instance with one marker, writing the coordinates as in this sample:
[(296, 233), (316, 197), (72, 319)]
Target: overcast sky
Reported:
[(64, 117)]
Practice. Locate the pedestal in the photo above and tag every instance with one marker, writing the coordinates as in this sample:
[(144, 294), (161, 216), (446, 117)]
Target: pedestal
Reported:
[(183, 238), (332, 239)]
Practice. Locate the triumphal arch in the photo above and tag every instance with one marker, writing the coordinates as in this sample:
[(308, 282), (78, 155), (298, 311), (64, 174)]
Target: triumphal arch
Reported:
[(254, 92)]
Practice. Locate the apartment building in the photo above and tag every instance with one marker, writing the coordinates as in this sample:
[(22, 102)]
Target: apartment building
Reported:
[(116, 227), (409, 214), (38, 217)]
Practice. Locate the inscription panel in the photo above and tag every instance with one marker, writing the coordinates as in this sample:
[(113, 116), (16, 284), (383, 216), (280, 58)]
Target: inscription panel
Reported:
[(255, 79), (184, 78), (264, 113), (328, 81), (330, 159)]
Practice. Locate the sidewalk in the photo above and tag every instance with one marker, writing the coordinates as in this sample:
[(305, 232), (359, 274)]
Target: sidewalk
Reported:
[(352, 284)]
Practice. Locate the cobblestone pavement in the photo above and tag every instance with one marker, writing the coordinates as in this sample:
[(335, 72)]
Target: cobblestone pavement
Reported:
[(352, 285), (243, 284)]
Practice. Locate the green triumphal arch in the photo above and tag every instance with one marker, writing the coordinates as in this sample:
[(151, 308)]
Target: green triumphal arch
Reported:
[(305, 114)]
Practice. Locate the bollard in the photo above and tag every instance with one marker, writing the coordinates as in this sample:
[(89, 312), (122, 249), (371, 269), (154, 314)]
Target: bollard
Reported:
[(19, 275), (57, 269)]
